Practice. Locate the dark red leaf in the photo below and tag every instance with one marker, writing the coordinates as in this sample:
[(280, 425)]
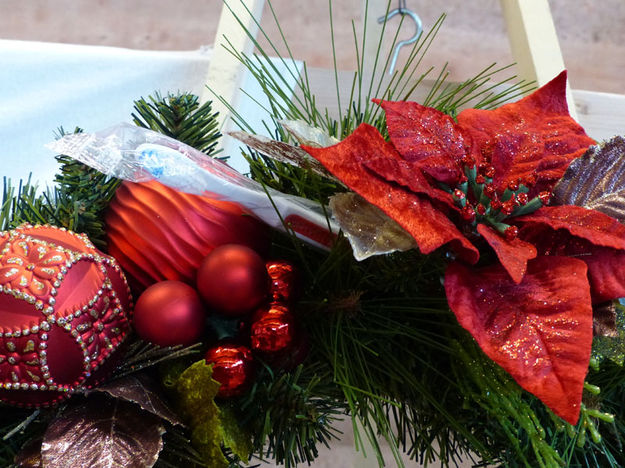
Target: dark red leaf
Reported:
[(596, 227), (420, 133), (142, 390), (539, 331), (102, 433), (409, 176), (429, 226), (534, 135), (513, 255), (606, 266)]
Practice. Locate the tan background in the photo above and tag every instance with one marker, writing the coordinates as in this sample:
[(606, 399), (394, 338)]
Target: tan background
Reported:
[(592, 36), (592, 33)]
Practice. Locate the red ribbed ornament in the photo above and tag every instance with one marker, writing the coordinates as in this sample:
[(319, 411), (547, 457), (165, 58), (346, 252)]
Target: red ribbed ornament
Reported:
[(169, 313), (157, 233), (63, 314), (233, 368)]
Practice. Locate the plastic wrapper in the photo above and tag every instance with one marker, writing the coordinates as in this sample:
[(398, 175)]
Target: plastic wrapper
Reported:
[(139, 155)]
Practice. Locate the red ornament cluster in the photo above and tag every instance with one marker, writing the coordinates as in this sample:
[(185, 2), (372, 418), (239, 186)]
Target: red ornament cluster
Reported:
[(233, 283), (63, 314)]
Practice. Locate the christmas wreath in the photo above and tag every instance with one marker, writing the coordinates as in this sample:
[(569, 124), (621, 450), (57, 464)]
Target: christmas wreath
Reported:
[(445, 273)]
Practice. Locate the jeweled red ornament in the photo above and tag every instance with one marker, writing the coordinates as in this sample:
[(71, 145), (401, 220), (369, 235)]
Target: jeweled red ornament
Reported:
[(233, 368), (63, 314), (285, 286), (233, 280), (157, 233), (272, 329), (169, 313)]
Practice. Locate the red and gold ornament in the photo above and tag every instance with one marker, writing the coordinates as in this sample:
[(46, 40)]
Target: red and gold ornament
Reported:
[(63, 314), (169, 313), (157, 233), (233, 280), (233, 368)]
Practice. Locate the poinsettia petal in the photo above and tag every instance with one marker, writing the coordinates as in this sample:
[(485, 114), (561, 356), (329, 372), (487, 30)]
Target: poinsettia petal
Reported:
[(422, 133), (540, 331), (513, 254), (533, 136), (408, 176), (598, 228), (606, 266), (417, 215)]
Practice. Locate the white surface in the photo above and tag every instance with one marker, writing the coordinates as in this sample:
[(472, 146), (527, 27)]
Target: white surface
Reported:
[(44, 86)]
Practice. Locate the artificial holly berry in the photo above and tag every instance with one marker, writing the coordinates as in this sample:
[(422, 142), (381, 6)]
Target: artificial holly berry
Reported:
[(272, 330), (169, 313), (233, 280), (284, 281), (233, 368)]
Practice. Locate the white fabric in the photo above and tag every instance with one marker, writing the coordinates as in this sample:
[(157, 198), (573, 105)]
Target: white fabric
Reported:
[(44, 86)]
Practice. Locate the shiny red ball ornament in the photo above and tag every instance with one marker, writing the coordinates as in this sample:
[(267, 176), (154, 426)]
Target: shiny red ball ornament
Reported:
[(233, 368), (272, 329), (169, 313), (232, 280), (285, 284), (157, 233), (63, 314)]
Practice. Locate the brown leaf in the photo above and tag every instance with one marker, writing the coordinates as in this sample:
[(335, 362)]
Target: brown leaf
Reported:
[(30, 454), (142, 390), (604, 320), (369, 230), (101, 432), (282, 152), (596, 180)]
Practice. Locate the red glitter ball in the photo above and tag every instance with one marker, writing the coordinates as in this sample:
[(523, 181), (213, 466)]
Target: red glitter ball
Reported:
[(468, 213), (544, 197), (481, 209), (273, 329), (522, 198), (233, 368), (479, 179), (513, 185), (459, 194), (511, 232), (496, 204), (507, 207), (489, 190)]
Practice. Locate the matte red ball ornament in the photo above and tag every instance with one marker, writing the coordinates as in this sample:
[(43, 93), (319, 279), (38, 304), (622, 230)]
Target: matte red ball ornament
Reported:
[(233, 280), (63, 314), (157, 233), (169, 313), (284, 281), (233, 368), (273, 329)]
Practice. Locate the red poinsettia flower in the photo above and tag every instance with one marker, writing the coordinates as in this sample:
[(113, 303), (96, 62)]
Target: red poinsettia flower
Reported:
[(480, 186)]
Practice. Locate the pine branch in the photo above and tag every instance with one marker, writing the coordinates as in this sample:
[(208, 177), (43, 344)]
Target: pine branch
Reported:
[(180, 117)]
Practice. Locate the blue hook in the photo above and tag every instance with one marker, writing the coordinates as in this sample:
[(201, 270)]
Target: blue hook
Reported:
[(402, 10)]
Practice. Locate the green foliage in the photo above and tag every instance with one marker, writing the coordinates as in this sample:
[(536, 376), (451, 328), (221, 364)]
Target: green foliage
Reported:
[(180, 117), (77, 201), (289, 414)]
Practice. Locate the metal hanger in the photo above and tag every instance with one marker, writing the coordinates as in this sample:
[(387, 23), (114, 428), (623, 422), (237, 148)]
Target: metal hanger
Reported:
[(402, 10)]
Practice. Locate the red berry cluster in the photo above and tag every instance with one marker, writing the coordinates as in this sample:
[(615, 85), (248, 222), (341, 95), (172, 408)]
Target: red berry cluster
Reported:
[(481, 202)]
